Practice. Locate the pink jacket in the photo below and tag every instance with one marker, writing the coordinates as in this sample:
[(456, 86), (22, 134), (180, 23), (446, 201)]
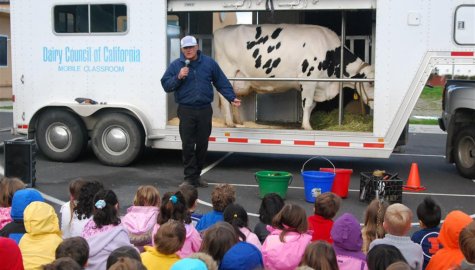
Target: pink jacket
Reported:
[(251, 237), (5, 217), (192, 241), (286, 255), (139, 222)]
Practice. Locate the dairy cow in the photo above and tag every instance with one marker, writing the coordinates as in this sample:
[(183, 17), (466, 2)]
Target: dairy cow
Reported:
[(285, 50)]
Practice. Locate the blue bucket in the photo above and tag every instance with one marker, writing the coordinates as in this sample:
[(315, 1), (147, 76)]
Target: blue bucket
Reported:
[(316, 182)]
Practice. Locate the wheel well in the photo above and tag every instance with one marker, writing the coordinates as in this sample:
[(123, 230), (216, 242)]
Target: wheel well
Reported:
[(89, 121), (462, 118)]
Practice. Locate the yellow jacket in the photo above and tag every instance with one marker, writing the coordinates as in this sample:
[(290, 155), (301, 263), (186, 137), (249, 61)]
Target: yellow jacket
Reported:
[(154, 260), (42, 236)]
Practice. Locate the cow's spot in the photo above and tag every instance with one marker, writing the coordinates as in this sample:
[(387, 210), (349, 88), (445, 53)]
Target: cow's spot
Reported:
[(304, 66), (267, 64), (272, 76), (277, 46), (255, 53), (315, 59), (303, 100), (276, 62), (310, 71), (276, 33), (258, 62), (258, 32), (262, 40), (304, 45), (270, 49)]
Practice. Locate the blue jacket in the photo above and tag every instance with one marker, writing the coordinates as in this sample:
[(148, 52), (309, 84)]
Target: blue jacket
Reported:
[(242, 256), (196, 90), (208, 219)]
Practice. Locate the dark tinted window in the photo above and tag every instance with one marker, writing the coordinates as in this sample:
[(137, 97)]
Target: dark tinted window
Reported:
[(3, 51), (71, 19), (108, 18)]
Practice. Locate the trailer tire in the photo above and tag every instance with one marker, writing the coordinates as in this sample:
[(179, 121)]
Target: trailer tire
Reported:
[(464, 152), (117, 139), (61, 135)]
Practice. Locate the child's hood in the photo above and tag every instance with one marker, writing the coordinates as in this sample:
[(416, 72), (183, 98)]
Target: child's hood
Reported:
[(451, 228), (40, 218), (346, 233), (140, 219), (21, 199)]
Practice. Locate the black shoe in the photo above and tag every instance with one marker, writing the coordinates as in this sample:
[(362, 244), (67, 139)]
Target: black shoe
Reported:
[(201, 183), (186, 183)]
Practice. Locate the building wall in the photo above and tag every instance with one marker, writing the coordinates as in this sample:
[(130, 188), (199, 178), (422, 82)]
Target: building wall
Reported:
[(6, 72)]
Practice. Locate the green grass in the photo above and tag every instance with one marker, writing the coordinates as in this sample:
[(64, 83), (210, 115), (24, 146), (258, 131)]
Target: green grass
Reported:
[(432, 93), (423, 121), (6, 108)]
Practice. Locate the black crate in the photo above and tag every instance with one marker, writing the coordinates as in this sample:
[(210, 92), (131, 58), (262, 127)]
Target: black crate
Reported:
[(388, 187)]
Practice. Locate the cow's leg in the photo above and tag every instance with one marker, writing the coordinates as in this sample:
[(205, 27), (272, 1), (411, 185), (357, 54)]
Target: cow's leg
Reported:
[(226, 111), (308, 104), (237, 116)]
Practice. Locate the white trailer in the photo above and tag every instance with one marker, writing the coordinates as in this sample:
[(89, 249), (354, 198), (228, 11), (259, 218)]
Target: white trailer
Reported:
[(115, 52)]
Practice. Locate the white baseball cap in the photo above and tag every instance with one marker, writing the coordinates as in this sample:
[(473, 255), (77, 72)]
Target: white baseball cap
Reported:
[(188, 41)]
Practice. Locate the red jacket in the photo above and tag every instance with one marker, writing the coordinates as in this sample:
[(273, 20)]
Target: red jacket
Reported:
[(321, 228)]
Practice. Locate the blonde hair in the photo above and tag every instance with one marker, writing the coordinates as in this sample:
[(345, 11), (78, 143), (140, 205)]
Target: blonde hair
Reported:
[(397, 219), (373, 222), (222, 196), (147, 196)]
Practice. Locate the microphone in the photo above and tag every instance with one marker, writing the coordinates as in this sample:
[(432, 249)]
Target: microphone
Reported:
[(187, 62)]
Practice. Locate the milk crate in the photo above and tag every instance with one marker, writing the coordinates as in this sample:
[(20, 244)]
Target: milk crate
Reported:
[(387, 187)]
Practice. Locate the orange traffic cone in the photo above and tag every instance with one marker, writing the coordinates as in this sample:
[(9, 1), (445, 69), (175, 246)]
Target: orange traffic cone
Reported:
[(413, 181)]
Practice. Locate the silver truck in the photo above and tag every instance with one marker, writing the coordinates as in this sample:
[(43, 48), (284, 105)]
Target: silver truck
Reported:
[(458, 119)]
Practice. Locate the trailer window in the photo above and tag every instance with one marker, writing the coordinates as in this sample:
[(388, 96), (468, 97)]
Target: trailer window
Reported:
[(71, 19), (3, 51), (107, 18)]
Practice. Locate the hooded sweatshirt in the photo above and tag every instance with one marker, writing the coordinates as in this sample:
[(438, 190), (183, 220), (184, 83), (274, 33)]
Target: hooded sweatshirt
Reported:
[(347, 243), (21, 199), (192, 240), (103, 242), (286, 255), (450, 255), (42, 236), (242, 256), (10, 255), (152, 259), (139, 222), (321, 228)]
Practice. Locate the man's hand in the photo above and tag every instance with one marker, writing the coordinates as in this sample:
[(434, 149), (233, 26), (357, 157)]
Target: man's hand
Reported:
[(183, 73), (236, 102)]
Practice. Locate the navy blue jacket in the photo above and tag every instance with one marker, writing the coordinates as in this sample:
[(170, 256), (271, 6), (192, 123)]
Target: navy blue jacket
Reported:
[(196, 89)]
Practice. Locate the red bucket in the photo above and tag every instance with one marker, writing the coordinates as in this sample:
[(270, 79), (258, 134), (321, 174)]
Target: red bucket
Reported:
[(341, 182)]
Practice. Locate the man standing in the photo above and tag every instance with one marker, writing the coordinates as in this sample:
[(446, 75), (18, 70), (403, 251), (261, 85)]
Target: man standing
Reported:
[(190, 78)]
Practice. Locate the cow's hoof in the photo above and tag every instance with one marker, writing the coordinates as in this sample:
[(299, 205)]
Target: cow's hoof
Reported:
[(239, 125), (307, 128)]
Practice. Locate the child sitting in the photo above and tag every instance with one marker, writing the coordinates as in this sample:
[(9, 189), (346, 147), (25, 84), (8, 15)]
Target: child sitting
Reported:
[(347, 243), (271, 204), (320, 255), (218, 239), (104, 233), (397, 223), (84, 208), (288, 238), (174, 207), (450, 255), (429, 215), (221, 196), (76, 248), (190, 193), (373, 223), (67, 209), (169, 239), (42, 236), (325, 208), (236, 215), (8, 186), (467, 246), (142, 216)]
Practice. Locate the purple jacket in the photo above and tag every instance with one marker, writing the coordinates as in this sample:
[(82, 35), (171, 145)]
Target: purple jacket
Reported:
[(347, 243), (286, 255)]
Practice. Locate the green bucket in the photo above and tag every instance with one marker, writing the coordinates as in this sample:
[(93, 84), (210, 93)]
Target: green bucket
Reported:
[(273, 182)]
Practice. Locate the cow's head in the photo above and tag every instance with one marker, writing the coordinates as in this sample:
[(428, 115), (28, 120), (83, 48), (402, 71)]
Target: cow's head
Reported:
[(362, 70)]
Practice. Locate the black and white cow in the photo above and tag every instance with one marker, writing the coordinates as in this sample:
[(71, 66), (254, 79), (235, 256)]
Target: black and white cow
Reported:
[(291, 51)]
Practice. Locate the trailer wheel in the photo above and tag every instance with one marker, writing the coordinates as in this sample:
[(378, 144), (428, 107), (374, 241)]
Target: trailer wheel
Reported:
[(465, 152), (117, 139), (61, 135)]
